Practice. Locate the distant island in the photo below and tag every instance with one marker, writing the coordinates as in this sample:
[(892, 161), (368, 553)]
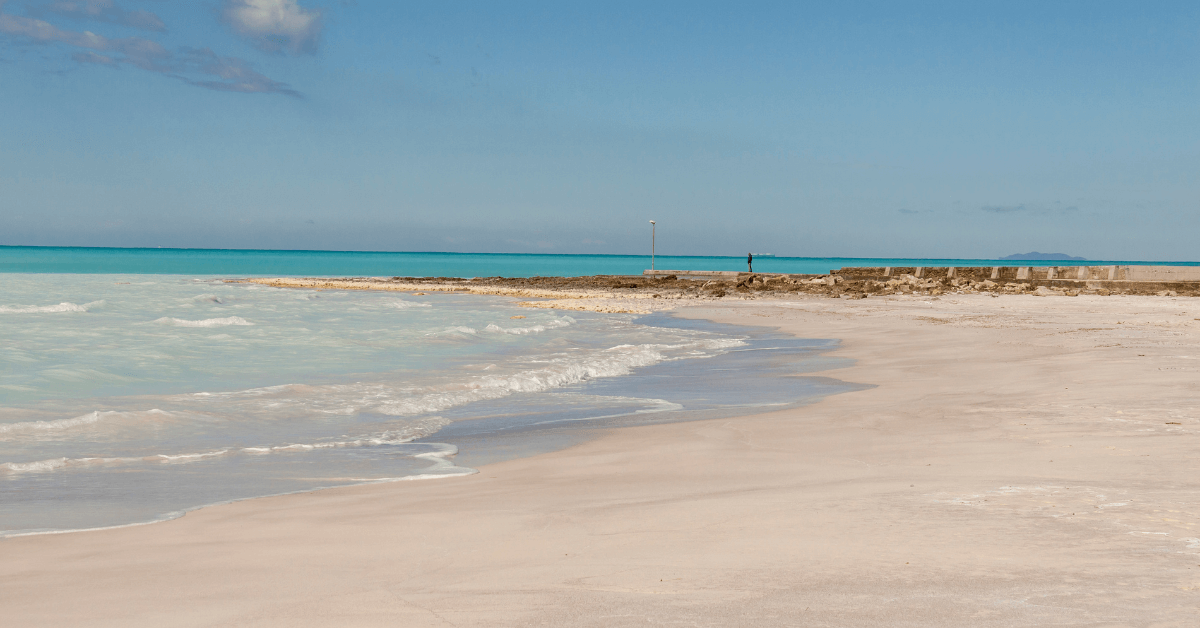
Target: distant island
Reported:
[(1043, 256)]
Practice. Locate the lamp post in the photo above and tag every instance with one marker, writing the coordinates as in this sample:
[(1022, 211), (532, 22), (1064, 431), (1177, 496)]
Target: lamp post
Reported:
[(653, 227)]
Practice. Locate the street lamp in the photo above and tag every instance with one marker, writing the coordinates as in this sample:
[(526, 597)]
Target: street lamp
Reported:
[(652, 228)]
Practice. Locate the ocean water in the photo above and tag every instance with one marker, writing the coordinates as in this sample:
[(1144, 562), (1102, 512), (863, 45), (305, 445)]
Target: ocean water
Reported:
[(130, 398), (17, 259)]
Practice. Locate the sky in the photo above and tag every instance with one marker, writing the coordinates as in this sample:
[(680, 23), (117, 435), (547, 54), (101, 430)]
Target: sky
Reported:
[(852, 129)]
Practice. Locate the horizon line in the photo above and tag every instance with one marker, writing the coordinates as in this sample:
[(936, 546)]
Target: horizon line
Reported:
[(638, 255)]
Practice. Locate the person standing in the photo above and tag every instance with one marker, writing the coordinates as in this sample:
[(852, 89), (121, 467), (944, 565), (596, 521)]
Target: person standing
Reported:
[(750, 262)]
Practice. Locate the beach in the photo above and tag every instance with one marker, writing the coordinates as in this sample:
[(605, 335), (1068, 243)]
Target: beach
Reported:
[(1016, 459)]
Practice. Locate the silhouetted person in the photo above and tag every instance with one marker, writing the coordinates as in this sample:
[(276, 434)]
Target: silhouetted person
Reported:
[(750, 262)]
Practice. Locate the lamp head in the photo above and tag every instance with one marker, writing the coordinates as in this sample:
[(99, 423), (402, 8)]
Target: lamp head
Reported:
[(652, 222)]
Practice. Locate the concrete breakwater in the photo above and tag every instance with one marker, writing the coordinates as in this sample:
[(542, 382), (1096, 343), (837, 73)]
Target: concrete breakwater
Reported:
[(1041, 280), (1034, 273), (1164, 280)]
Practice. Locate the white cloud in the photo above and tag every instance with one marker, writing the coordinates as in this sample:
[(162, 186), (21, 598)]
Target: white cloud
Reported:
[(275, 25)]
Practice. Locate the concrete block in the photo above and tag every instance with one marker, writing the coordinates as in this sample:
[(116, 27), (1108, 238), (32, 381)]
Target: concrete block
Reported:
[(920, 272), (950, 273), (995, 272), (1023, 272)]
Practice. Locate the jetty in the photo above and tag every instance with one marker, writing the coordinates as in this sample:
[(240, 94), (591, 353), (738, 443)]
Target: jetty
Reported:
[(1120, 279)]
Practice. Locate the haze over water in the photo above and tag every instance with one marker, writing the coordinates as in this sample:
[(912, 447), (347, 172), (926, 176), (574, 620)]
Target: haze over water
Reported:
[(235, 262)]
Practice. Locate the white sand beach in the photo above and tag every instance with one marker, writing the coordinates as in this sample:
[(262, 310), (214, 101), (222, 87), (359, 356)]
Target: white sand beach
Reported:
[(1020, 460)]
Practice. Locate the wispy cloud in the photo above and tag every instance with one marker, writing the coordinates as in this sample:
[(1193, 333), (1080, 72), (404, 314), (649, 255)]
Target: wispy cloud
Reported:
[(1003, 209), (91, 57), (1056, 208), (101, 11), (233, 74), (196, 66), (275, 25), (139, 50)]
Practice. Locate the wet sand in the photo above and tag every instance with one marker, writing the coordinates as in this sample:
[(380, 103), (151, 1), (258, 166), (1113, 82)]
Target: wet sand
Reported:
[(1021, 460)]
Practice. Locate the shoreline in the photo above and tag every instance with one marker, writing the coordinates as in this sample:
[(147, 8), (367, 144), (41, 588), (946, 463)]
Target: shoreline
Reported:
[(482, 452), (804, 515), (663, 292), (179, 514)]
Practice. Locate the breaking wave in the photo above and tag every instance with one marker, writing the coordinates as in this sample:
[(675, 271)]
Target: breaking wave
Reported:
[(90, 418), (420, 429), (455, 331), (208, 322), (401, 304), (534, 329), (46, 309), (398, 399), (612, 362)]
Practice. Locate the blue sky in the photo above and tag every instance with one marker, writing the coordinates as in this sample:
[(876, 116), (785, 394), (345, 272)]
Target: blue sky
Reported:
[(914, 129)]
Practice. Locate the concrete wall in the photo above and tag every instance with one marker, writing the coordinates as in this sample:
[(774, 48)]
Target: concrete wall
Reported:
[(1034, 273), (1160, 274)]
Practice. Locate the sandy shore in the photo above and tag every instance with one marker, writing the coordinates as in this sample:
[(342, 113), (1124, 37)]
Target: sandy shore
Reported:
[(1020, 461)]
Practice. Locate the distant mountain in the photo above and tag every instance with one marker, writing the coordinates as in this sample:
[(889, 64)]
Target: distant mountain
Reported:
[(1043, 256)]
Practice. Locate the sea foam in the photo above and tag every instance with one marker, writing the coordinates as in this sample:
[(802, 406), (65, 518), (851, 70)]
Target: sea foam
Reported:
[(401, 304), (58, 424), (399, 436), (563, 371), (208, 322), (532, 329), (48, 309), (91, 418)]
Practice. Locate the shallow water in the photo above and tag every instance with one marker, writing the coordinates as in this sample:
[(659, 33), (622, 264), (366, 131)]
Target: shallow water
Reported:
[(127, 398)]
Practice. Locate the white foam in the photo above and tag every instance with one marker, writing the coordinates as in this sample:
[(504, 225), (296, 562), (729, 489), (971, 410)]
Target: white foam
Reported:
[(54, 464), (396, 399), (47, 309), (39, 466), (455, 330), (516, 331), (564, 371), (442, 466), (249, 392), (533, 329), (442, 469), (186, 457), (401, 304), (420, 429), (59, 424), (90, 418), (408, 434), (209, 322)]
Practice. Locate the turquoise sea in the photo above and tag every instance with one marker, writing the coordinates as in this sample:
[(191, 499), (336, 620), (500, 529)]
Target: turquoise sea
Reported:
[(238, 262)]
